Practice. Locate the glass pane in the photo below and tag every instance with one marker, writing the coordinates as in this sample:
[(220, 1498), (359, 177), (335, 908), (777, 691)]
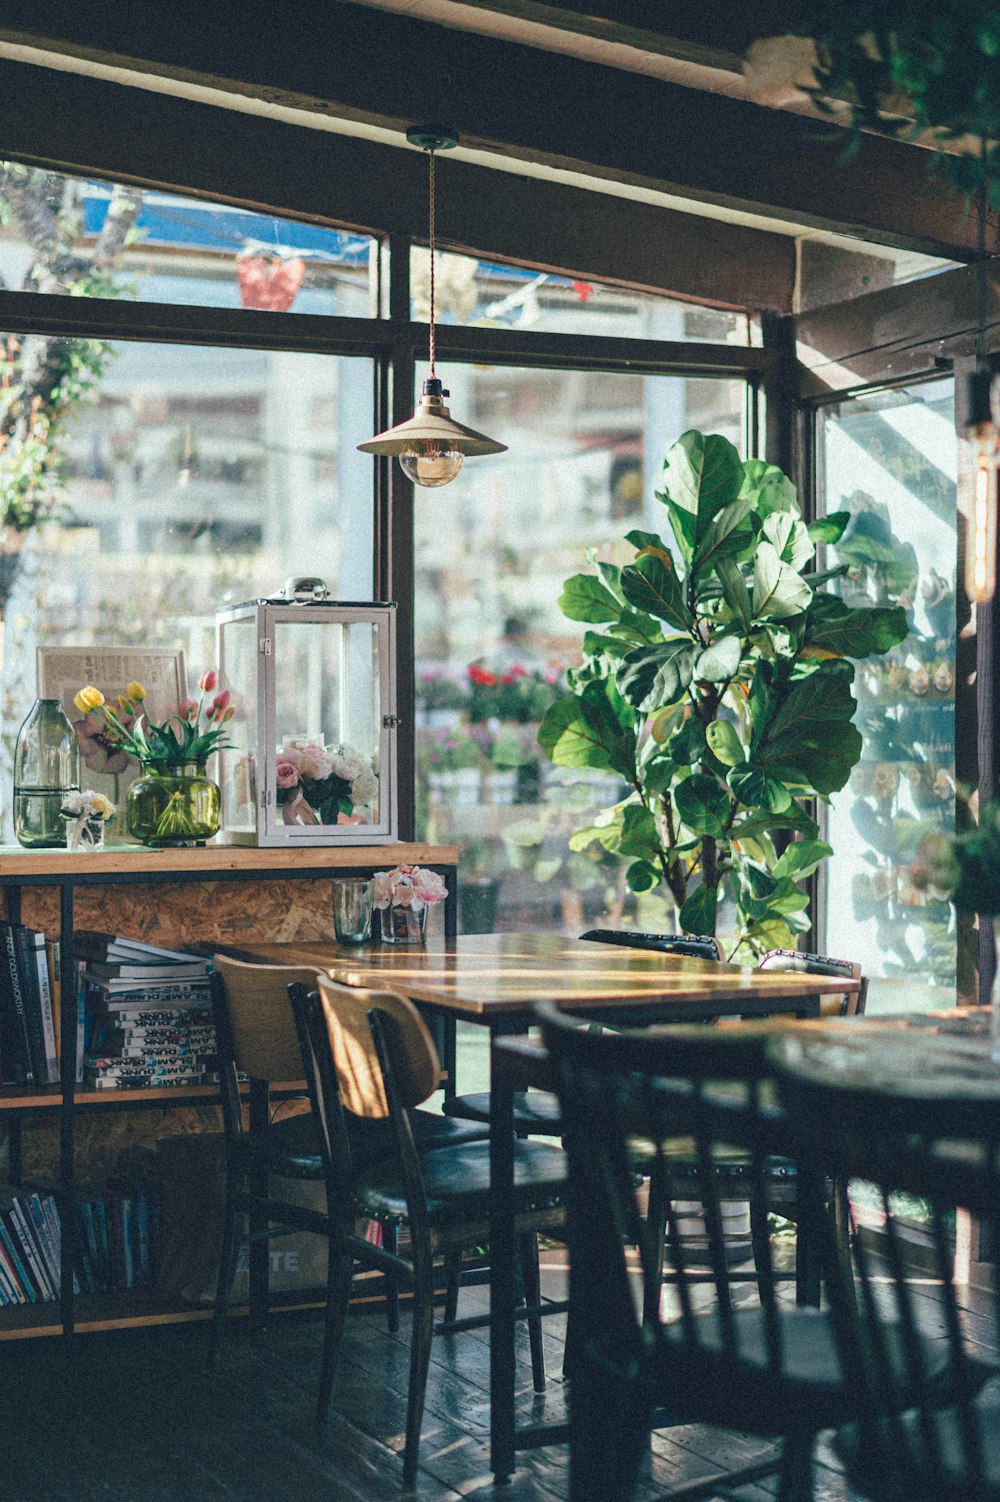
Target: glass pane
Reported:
[(328, 718), (891, 460), (148, 246), (493, 550), (192, 477), (467, 291), (238, 664)]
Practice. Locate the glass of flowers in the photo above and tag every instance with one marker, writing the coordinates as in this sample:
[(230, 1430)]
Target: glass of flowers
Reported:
[(86, 816), (173, 802), (320, 784), (402, 897)]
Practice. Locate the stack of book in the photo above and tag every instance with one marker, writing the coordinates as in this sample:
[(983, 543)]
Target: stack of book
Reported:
[(29, 1006), (117, 1242), (147, 1015)]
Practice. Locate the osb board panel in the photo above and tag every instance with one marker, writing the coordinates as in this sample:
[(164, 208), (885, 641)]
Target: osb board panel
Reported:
[(101, 1138), (188, 912)]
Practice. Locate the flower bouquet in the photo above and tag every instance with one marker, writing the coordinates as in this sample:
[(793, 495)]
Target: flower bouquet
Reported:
[(87, 815), (324, 784), (403, 896)]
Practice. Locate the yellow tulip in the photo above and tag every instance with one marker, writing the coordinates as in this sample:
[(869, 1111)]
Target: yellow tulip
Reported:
[(136, 691), (88, 698)]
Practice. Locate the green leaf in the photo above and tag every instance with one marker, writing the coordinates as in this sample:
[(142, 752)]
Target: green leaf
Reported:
[(584, 598), (702, 473), (753, 787), (853, 631), (702, 804), (652, 677), (719, 662), (651, 584), (658, 774), (688, 745), (801, 859), (768, 488), (697, 916), (610, 576), (639, 837), (829, 528), (641, 876), (811, 741), (790, 538), (778, 591), (734, 590), (583, 732), (725, 744), (641, 540), (793, 817), (729, 533), (600, 644)]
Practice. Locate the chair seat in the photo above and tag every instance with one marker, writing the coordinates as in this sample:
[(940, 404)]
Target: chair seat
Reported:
[(919, 1484), (534, 1110), (808, 1392), (293, 1151), (457, 1182)]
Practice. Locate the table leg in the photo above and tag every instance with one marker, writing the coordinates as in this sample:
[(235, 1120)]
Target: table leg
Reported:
[(502, 1268)]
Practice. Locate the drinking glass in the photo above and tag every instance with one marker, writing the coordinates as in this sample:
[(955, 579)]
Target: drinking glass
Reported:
[(352, 909)]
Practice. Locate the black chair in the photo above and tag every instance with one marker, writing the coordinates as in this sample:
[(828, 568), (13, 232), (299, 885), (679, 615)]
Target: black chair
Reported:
[(536, 1112), (916, 1437), (772, 1368), (368, 1057), (257, 1039)]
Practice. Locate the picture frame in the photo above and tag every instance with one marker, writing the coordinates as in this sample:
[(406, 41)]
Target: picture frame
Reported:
[(63, 671)]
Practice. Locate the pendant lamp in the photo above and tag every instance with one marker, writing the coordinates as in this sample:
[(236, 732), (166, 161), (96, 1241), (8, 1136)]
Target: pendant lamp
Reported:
[(981, 430), (430, 445)]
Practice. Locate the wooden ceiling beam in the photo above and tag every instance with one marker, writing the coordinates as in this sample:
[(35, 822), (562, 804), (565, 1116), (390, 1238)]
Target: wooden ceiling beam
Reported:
[(389, 70), (69, 122)]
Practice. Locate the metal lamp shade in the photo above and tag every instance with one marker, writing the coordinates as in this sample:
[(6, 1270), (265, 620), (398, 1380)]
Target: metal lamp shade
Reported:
[(432, 423)]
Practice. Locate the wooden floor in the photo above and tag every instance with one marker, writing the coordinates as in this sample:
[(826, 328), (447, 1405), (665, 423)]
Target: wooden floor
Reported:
[(135, 1417)]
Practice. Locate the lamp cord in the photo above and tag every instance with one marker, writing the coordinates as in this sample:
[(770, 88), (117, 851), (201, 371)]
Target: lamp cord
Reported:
[(981, 311), (430, 175)]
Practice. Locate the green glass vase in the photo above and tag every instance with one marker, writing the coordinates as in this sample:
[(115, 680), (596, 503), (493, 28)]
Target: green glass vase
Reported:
[(172, 806), (46, 768)]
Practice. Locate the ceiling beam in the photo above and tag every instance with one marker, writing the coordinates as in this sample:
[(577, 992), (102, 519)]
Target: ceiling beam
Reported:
[(68, 122), (522, 103)]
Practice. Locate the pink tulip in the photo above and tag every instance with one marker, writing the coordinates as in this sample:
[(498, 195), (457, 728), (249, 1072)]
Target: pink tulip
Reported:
[(219, 703), (188, 710), (208, 682)]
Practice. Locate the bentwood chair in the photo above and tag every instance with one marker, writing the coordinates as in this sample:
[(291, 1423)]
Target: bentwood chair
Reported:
[(915, 1437), (770, 1368), (257, 1039), (536, 1112), (368, 1057)]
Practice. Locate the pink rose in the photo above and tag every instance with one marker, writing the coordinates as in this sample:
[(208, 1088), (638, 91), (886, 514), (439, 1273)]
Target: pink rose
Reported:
[(292, 755), (314, 762), (288, 773), (428, 887)]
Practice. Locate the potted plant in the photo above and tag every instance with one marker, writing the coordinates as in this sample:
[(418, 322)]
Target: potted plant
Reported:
[(716, 683)]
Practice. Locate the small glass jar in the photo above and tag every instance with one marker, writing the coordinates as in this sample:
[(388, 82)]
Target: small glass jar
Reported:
[(173, 806), (352, 909), (403, 925), (46, 770)]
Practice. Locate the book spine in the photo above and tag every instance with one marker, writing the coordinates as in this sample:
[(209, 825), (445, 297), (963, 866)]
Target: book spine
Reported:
[(83, 1018), (8, 1281), (14, 1257), (128, 1240), (32, 1251), (43, 1236), (47, 1014), (27, 966), (55, 991), (20, 1070)]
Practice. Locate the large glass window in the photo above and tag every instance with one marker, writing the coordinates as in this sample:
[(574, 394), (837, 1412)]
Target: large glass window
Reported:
[(492, 552), (890, 458)]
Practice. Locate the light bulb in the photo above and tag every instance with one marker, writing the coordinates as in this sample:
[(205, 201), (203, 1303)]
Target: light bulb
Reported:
[(430, 464), (981, 539)]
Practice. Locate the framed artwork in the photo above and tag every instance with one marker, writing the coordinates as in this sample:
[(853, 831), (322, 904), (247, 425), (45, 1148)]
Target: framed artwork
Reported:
[(63, 671)]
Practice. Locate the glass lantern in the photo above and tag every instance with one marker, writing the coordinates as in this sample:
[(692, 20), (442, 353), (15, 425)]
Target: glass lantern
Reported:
[(313, 754)]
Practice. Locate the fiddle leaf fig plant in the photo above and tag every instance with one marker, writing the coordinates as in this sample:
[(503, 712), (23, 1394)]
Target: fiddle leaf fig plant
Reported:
[(716, 682)]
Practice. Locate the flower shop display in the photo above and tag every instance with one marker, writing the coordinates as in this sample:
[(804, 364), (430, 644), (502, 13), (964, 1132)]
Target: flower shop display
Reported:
[(86, 816), (312, 753), (46, 771), (402, 897), (173, 802), (716, 685)]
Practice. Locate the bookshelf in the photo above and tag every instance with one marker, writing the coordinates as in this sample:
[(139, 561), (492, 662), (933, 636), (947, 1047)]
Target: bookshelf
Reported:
[(61, 877)]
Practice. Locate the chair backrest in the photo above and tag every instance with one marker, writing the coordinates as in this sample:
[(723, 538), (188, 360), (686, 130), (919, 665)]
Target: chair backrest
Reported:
[(851, 1004), (695, 946), (354, 1049), (258, 1030), (642, 1089), (914, 1352)]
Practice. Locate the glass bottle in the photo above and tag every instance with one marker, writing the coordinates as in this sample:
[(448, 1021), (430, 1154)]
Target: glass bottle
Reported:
[(46, 768)]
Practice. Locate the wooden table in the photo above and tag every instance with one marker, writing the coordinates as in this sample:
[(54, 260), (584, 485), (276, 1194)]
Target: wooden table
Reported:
[(495, 980)]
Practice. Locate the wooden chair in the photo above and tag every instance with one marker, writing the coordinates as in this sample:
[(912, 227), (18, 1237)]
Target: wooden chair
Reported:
[(771, 1369), (536, 1112), (257, 1039), (927, 1426), (368, 1056)]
